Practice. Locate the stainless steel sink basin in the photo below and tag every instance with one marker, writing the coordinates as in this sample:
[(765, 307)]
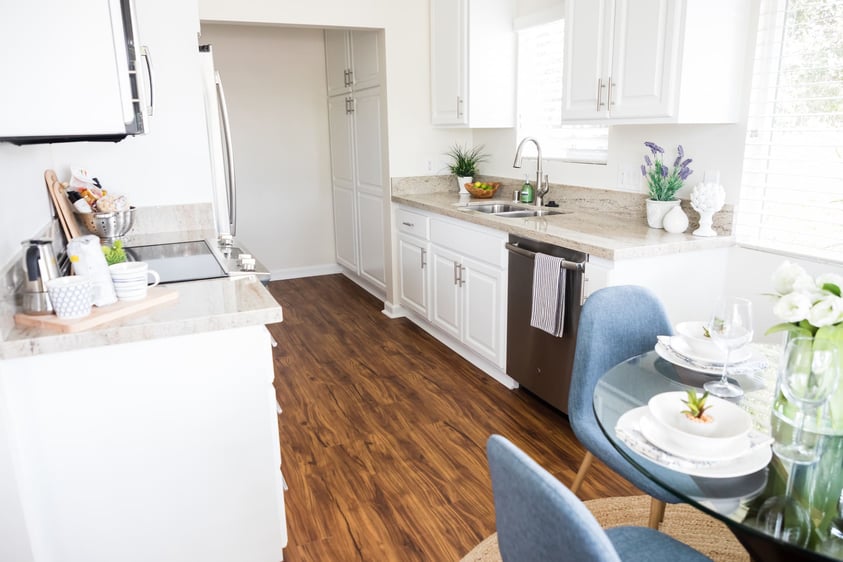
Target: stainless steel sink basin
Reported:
[(528, 213), (495, 208)]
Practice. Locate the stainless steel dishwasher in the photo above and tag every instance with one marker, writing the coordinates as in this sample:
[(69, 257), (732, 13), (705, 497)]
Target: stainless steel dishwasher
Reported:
[(540, 362)]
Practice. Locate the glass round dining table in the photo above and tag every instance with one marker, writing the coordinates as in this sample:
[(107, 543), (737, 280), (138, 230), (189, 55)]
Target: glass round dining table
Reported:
[(740, 489)]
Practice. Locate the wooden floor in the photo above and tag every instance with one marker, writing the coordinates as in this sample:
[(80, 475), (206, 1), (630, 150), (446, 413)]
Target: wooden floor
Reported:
[(384, 428)]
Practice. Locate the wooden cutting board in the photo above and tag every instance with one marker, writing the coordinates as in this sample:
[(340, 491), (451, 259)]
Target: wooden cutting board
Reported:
[(64, 210), (99, 315)]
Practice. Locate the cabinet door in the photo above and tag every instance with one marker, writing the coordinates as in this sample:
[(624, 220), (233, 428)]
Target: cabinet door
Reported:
[(412, 283), (365, 59), (588, 27), (483, 295), (370, 225), (337, 61), (645, 48), (445, 307), (345, 227), (448, 61), (368, 145), (342, 141)]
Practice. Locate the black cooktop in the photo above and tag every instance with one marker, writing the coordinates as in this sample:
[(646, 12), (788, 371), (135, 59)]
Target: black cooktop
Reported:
[(179, 261)]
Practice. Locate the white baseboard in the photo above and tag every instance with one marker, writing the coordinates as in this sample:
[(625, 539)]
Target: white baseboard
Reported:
[(392, 310), (310, 271)]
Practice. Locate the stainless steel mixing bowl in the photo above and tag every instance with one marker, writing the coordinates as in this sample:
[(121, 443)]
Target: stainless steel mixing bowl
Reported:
[(108, 226)]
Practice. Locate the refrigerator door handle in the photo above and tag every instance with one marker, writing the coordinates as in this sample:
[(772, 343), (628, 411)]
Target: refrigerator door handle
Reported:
[(147, 57), (231, 182)]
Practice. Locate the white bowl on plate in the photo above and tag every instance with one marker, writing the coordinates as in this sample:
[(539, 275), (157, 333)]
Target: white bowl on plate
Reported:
[(728, 431), (693, 333)]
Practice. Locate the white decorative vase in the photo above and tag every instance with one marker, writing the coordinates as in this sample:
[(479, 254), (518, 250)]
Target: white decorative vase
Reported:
[(462, 180), (675, 221), (656, 210), (707, 199)]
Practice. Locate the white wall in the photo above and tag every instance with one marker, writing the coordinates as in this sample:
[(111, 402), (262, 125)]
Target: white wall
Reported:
[(274, 82), (170, 165)]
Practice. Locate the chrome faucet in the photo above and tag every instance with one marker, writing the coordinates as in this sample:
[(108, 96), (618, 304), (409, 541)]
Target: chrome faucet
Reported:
[(541, 179)]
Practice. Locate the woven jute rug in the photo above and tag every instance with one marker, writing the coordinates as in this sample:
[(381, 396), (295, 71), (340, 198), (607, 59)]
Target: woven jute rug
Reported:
[(682, 522)]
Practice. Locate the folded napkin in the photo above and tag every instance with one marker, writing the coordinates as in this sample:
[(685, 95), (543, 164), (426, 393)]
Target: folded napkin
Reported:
[(548, 311)]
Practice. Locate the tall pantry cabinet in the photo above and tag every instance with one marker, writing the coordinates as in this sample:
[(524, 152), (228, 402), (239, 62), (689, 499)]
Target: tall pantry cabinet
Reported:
[(357, 124)]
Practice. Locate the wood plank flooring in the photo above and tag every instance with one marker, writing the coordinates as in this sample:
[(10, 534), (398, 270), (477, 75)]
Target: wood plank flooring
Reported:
[(383, 433)]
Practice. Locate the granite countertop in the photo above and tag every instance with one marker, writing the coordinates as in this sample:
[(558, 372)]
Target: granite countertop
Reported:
[(612, 236), (202, 306)]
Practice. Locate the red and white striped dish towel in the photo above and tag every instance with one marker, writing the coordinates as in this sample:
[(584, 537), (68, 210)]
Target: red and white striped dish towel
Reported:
[(548, 312)]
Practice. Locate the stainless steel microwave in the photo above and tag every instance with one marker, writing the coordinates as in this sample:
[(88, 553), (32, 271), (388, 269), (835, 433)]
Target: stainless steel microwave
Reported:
[(73, 71)]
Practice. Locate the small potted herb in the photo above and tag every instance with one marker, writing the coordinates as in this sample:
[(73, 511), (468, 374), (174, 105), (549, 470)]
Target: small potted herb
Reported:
[(662, 182), (464, 163)]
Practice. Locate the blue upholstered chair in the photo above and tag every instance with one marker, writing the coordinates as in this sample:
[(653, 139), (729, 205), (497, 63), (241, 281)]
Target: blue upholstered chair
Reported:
[(539, 520), (616, 323)]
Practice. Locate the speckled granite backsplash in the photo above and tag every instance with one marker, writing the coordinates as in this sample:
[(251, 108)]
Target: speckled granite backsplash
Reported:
[(621, 203)]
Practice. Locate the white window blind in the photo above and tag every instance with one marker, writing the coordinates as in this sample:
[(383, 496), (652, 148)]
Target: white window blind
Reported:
[(792, 188), (540, 49)]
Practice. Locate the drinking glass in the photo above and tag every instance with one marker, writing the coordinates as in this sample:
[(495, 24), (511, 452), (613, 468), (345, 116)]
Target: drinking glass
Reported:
[(807, 377), (730, 328)]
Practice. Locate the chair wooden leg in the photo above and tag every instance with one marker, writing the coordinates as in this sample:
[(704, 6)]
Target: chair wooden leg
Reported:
[(656, 513), (584, 466)]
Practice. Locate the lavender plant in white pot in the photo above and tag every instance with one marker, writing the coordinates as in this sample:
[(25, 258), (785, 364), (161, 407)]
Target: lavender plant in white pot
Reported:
[(663, 183)]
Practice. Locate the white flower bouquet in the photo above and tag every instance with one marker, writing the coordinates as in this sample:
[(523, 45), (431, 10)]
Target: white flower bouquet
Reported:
[(804, 304)]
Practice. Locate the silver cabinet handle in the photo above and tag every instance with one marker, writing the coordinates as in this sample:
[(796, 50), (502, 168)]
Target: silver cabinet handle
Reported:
[(462, 278), (231, 178), (147, 57), (609, 93), (345, 78), (411, 225), (456, 273), (350, 77), (459, 107), (600, 87), (423, 258)]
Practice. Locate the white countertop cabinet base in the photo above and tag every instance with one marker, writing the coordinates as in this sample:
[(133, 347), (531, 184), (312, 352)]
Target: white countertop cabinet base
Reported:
[(162, 450)]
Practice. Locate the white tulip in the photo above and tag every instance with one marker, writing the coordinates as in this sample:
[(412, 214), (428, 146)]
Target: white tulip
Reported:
[(826, 311), (793, 307), (789, 277), (832, 278)]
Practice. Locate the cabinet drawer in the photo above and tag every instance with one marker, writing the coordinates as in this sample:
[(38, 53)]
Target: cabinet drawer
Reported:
[(413, 223), (473, 241)]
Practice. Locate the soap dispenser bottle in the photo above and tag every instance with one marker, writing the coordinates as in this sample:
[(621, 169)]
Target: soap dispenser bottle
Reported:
[(527, 192)]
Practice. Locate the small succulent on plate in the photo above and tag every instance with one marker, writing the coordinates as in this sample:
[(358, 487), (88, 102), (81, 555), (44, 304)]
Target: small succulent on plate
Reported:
[(696, 407)]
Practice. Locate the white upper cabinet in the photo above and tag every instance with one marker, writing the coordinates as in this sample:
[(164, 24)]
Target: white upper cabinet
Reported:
[(472, 63), (352, 60), (654, 61)]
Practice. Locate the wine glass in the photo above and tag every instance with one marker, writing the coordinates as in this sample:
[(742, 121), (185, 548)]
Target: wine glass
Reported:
[(730, 328), (807, 376)]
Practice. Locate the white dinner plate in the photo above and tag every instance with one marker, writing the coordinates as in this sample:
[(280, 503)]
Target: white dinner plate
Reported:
[(628, 430), (756, 362), (672, 442), (680, 346)]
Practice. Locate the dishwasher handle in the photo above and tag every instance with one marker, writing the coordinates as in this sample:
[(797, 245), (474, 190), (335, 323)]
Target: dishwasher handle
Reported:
[(516, 249)]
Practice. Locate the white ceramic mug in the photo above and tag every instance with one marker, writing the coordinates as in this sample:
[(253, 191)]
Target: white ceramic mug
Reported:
[(72, 296), (132, 279)]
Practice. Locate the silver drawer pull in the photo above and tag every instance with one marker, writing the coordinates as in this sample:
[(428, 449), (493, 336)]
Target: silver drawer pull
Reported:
[(411, 225)]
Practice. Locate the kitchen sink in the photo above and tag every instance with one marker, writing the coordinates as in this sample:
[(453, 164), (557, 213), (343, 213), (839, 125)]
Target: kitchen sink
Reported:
[(495, 208), (528, 213)]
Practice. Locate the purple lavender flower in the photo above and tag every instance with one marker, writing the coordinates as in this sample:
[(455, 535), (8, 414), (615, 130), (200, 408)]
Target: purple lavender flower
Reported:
[(676, 162), (686, 162), (663, 170), (680, 151), (643, 171), (647, 160), (656, 149), (683, 175)]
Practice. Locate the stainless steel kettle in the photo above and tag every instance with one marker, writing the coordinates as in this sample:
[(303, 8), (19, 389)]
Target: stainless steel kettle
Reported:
[(39, 266)]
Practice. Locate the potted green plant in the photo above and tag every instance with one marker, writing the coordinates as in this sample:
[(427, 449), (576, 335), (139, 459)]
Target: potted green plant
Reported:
[(464, 163), (663, 183)]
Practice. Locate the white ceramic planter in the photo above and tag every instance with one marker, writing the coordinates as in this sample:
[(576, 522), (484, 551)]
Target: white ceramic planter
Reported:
[(656, 210), (462, 180)]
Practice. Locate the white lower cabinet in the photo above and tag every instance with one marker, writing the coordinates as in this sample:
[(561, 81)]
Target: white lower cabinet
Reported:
[(464, 266)]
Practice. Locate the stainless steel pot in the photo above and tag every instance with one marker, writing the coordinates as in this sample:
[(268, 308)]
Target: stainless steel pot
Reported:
[(39, 266)]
